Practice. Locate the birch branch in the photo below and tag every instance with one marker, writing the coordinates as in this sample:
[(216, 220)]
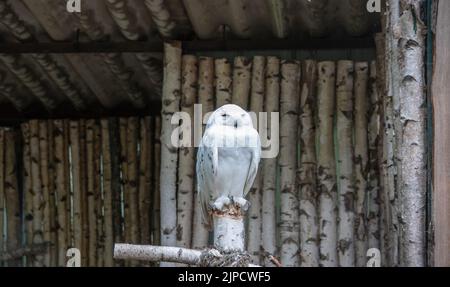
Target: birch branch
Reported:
[(206, 257)]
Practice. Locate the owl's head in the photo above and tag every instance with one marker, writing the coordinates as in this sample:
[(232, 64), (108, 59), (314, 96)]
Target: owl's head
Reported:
[(231, 116)]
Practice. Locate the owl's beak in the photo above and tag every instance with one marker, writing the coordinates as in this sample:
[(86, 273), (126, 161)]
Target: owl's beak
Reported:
[(235, 124)]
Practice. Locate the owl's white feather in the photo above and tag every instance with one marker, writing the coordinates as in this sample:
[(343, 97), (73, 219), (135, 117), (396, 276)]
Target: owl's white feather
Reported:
[(227, 160)]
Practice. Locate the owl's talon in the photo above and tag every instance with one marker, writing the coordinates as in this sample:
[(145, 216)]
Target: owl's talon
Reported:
[(241, 202), (220, 202)]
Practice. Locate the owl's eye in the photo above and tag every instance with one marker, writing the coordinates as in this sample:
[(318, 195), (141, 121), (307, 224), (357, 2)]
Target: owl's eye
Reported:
[(224, 115)]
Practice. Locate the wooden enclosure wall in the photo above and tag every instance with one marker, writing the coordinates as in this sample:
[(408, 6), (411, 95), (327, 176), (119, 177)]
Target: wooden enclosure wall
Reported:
[(319, 202), (81, 183)]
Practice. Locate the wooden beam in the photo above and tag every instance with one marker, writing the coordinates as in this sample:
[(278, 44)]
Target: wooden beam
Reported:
[(441, 145), (188, 46)]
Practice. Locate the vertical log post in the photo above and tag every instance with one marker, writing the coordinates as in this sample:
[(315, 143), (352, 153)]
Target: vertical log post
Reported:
[(269, 166), (308, 204), (27, 187), (44, 166), (13, 239), (76, 186), (326, 168), (362, 100), (62, 193), (241, 82), (91, 193), (109, 217), (132, 160), (186, 171), (169, 152), (374, 215), (37, 191), (145, 179), (289, 103), (223, 82), (345, 152), (412, 149), (206, 100), (256, 106)]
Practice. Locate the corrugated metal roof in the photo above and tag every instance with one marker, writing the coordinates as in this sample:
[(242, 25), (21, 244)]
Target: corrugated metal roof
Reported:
[(109, 81)]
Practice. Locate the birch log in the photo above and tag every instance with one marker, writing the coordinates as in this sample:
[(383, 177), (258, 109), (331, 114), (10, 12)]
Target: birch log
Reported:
[(2, 190), (223, 82), (389, 235), (62, 193), (115, 154), (412, 151), (108, 206), (98, 198), (76, 185), (169, 152), (206, 100), (186, 155), (125, 199), (13, 239), (27, 187), (308, 204), (52, 194), (132, 204), (37, 191), (44, 165), (373, 189), (326, 169), (269, 165), (67, 175), (145, 172), (83, 189), (289, 103), (393, 126), (346, 181), (156, 217), (254, 196), (91, 193), (242, 74), (362, 99)]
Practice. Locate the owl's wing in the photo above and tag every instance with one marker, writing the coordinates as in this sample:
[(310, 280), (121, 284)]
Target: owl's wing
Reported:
[(254, 162), (206, 168)]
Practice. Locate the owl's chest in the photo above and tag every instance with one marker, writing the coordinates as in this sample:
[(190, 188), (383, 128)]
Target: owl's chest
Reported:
[(232, 172)]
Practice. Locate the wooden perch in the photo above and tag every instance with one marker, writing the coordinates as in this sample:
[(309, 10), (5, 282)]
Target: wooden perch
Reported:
[(206, 257)]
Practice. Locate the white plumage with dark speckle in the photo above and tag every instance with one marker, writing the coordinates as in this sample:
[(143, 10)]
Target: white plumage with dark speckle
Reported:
[(227, 160)]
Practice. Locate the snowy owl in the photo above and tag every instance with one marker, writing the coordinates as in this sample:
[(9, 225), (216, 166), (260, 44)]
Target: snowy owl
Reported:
[(227, 161)]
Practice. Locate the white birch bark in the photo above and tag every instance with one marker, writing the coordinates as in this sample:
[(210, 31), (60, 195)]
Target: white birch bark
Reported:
[(90, 192), (326, 168), (44, 166), (306, 173), (62, 193), (242, 75), (186, 166), (76, 185), (107, 193), (373, 189), (412, 150), (206, 100), (362, 100), (169, 153), (346, 180), (289, 103), (37, 190), (223, 82), (254, 196), (269, 166), (12, 202)]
